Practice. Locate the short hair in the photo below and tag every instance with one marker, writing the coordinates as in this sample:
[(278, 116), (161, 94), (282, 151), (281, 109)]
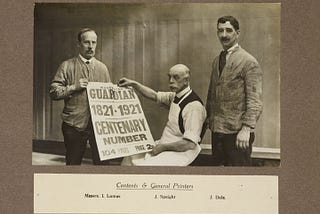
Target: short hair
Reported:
[(187, 72), (233, 21), (82, 31), (182, 67)]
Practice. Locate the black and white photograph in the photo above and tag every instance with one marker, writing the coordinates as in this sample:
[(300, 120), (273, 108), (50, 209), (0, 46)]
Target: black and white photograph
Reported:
[(159, 106), (206, 77)]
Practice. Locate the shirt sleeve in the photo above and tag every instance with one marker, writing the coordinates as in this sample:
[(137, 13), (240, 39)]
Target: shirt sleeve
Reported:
[(194, 115), (59, 88), (165, 98)]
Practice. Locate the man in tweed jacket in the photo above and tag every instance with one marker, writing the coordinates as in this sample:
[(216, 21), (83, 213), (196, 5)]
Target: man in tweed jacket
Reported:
[(234, 101), (69, 84)]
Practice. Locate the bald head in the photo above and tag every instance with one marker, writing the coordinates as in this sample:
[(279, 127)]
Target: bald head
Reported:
[(178, 77), (181, 68)]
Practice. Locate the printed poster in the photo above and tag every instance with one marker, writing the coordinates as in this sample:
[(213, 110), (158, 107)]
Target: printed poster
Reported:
[(119, 123)]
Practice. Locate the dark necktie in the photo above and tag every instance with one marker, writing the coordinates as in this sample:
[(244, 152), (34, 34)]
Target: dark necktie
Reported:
[(89, 68), (89, 65), (222, 61), (176, 99)]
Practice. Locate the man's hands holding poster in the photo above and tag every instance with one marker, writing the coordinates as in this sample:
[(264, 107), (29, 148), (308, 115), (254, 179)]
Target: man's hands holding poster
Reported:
[(144, 90), (80, 85), (125, 82)]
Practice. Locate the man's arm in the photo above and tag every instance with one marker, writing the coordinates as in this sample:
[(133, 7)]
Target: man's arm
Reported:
[(193, 115), (209, 94), (59, 88), (144, 90), (209, 99), (253, 90), (179, 146)]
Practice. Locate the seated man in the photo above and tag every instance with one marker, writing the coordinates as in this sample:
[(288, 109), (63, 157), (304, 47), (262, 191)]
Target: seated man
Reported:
[(179, 143)]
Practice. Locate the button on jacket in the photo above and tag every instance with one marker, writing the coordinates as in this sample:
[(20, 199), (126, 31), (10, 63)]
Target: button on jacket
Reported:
[(235, 98)]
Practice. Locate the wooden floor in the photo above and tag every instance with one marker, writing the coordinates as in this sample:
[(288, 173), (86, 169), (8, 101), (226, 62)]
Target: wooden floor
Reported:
[(52, 159), (56, 160), (52, 153), (203, 160)]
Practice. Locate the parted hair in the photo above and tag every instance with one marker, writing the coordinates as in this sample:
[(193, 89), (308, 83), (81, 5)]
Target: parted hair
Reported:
[(82, 31), (233, 21)]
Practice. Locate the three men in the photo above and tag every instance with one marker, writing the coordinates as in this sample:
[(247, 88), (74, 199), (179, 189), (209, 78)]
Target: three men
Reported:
[(70, 84), (234, 101), (178, 145), (234, 104)]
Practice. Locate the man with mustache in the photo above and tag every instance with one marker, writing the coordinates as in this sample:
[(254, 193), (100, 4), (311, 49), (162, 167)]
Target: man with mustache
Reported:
[(70, 84), (234, 101), (179, 143)]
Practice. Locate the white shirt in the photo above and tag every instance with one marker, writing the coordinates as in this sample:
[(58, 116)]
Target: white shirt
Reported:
[(86, 60), (193, 114), (230, 50)]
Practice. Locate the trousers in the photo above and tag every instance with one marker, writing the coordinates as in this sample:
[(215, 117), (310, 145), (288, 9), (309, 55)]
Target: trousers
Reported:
[(225, 151), (75, 142)]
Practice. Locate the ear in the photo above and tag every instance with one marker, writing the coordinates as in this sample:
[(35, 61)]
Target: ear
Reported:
[(186, 82)]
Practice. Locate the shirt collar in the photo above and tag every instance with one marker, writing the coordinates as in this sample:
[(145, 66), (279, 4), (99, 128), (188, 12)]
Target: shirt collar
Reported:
[(233, 48), (183, 92), (85, 60)]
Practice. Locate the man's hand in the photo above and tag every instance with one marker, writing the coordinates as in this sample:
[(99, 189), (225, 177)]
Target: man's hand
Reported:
[(124, 82), (83, 82), (158, 149), (243, 137), (78, 86), (144, 90)]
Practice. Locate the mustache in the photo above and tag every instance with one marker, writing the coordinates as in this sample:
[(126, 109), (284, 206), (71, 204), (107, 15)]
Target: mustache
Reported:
[(224, 39)]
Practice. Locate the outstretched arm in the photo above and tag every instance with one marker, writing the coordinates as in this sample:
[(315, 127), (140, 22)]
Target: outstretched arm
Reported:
[(178, 146), (144, 90)]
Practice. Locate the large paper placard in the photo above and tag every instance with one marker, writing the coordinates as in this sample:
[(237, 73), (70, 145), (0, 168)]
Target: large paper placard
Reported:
[(119, 123)]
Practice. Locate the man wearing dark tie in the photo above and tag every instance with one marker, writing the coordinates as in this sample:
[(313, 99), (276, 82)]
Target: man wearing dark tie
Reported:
[(234, 101), (179, 143), (70, 84)]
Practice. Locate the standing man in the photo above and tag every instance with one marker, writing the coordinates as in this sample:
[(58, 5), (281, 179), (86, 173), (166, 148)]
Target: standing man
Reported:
[(179, 143), (234, 101), (70, 84)]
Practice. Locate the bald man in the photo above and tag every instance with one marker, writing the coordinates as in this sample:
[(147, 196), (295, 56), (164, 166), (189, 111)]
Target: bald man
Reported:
[(179, 143)]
